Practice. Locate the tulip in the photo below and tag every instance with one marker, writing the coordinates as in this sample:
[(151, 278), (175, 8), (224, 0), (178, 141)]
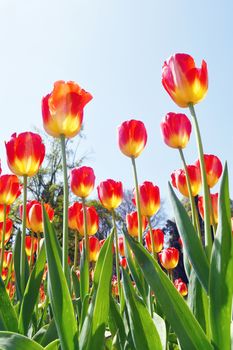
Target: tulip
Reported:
[(110, 194), (82, 181), (35, 217), (185, 83), (10, 189), (2, 211), (62, 109), (73, 211), (121, 245), (123, 263), (94, 246), (158, 240), (169, 258), (28, 245), (28, 207), (132, 223), (132, 138), (213, 167), (8, 231), (181, 287), (25, 153), (176, 129), (7, 260), (214, 203), (149, 198), (179, 180), (92, 221), (10, 288)]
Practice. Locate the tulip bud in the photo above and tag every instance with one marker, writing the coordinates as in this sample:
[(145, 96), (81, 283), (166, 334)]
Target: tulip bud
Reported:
[(132, 223), (169, 258), (92, 221), (10, 189), (121, 245), (179, 180), (213, 167), (149, 197), (181, 287), (158, 238), (110, 194), (82, 181), (214, 202)]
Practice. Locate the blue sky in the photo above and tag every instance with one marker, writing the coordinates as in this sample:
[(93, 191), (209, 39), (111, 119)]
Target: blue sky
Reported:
[(115, 50)]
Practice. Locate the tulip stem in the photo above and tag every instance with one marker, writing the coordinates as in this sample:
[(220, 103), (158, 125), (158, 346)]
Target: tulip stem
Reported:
[(137, 200), (22, 253), (152, 238), (75, 250), (86, 239), (3, 238), (212, 214), (65, 211), (208, 236), (117, 254)]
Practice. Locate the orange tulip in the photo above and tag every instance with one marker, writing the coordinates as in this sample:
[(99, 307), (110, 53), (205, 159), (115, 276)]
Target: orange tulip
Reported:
[(149, 198), (25, 153), (132, 223), (121, 245), (213, 167), (35, 217), (73, 211), (94, 246), (158, 238), (214, 201), (179, 181), (92, 221), (2, 211), (62, 109), (9, 227), (183, 81), (28, 245), (181, 287), (176, 129), (169, 258), (10, 189), (110, 193), (82, 181), (28, 206), (132, 138)]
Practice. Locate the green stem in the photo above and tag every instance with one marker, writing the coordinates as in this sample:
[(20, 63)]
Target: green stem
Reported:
[(208, 237), (212, 214), (31, 253), (22, 252), (117, 254), (86, 239), (137, 200), (65, 211), (3, 238), (152, 239), (75, 250)]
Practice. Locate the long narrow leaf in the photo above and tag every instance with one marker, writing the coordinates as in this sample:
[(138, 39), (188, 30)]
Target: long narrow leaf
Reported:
[(9, 321), (13, 341)]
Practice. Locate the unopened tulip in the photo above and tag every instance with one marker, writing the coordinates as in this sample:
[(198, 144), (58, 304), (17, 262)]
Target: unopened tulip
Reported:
[(62, 109), (28, 206), (121, 245), (82, 181), (94, 246), (149, 197), (92, 221), (179, 181), (73, 211), (169, 258), (132, 138), (35, 217), (10, 189), (176, 129), (25, 153), (183, 81), (110, 193), (214, 203), (123, 262), (158, 238), (28, 245), (132, 223), (181, 287), (9, 227), (213, 167)]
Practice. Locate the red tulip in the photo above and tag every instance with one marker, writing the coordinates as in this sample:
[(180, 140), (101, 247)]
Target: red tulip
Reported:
[(92, 221), (132, 138), (9, 227), (132, 223), (213, 167), (121, 245), (169, 258), (110, 193), (28, 206), (183, 81), (94, 246), (73, 211), (2, 211), (214, 201), (158, 237), (62, 109), (176, 129), (25, 153), (181, 287), (35, 217), (123, 262), (10, 189), (179, 181), (149, 198), (82, 181), (28, 245), (7, 259)]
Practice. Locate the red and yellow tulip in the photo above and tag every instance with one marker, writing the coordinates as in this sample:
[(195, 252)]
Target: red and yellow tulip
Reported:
[(132, 223), (213, 167), (158, 239), (110, 193), (82, 181), (169, 258), (149, 197), (179, 181)]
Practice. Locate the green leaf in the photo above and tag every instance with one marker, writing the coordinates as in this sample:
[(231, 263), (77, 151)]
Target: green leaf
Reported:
[(221, 272), (53, 346), (192, 243), (144, 332), (9, 321), (188, 330), (116, 325), (13, 341), (16, 253), (60, 298), (31, 292), (84, 273), (92, 334), (49, 334), (161, 328)]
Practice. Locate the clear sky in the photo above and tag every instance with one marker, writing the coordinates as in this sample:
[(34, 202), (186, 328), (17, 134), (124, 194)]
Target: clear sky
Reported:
[(115, 49)]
